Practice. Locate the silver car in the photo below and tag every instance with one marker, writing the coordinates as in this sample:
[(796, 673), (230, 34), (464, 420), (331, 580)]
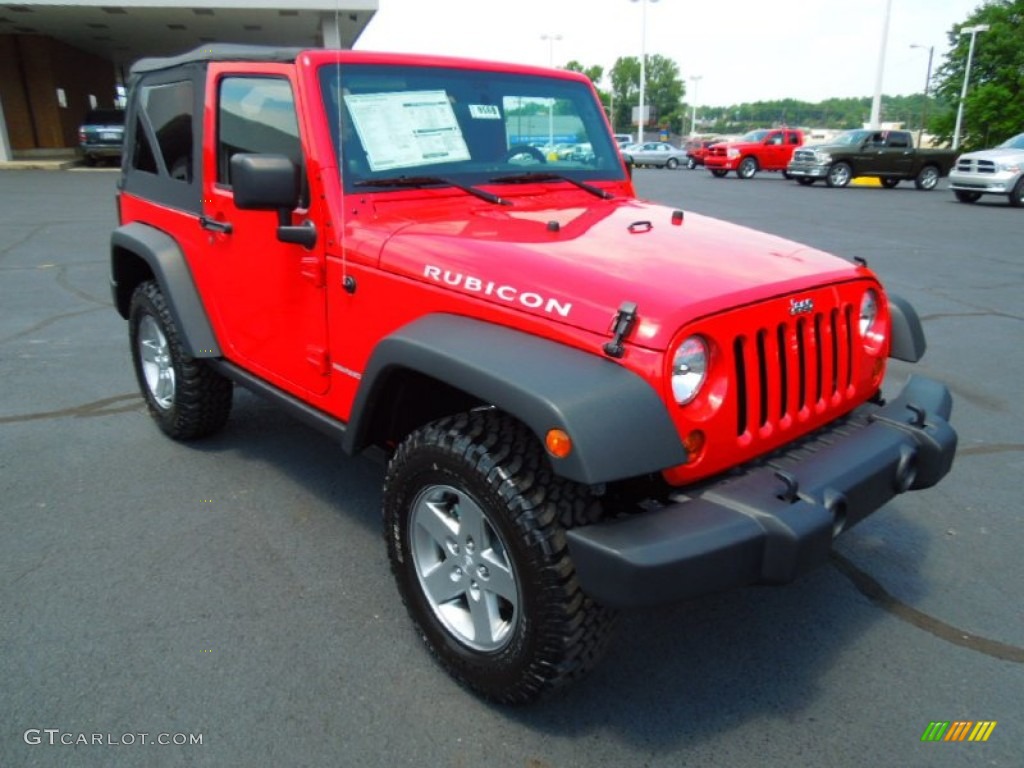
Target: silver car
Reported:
[(660, 154), (998, 171)]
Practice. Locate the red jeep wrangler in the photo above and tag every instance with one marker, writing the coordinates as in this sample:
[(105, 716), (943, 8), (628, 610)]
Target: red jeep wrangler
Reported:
[(763, 150), (588, 402)]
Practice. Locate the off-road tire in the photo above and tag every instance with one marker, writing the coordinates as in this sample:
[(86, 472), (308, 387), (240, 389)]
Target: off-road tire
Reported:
[(966, 196), (839, 175), (747, 168), (485, 472), (927, 178), (186, 398)]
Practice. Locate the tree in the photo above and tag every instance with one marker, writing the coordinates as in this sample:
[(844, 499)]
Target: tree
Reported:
[(663, 91), (595, 73), (994, 108)]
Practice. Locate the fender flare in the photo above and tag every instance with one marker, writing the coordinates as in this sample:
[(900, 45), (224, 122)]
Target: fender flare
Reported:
[(619, 425), (167, 263), (908, 342)]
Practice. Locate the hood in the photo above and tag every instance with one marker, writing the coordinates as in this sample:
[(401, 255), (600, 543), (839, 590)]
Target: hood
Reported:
[(578, 265), (997, 154)]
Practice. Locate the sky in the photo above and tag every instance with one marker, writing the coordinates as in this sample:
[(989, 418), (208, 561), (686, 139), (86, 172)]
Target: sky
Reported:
[(742, 50)]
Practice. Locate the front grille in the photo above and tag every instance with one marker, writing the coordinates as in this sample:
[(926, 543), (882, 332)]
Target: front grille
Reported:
[(804, 155), (716, 151), (967, 165), (787, 372)]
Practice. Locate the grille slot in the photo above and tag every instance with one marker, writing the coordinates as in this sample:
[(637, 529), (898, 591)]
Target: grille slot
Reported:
[(799, 367)]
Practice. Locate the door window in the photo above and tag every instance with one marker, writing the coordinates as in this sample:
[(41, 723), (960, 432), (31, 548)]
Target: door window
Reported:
[(255, 114)]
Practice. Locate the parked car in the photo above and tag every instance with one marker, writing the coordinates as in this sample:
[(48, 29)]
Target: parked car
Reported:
[(761, 150), (585, 404), (660, 154), (998, 171), (101, 135), (623, 139), (886, 155)]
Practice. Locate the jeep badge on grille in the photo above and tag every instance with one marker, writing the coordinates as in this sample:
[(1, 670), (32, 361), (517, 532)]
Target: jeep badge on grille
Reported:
[(801, 306)]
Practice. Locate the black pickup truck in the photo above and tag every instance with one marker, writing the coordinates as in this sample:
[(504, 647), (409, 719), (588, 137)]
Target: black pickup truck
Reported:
[(887, 155)]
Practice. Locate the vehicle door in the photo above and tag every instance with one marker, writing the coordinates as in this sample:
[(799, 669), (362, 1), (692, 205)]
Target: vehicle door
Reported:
[(870, 159), (270, 295), (898, 155), (774, 150)]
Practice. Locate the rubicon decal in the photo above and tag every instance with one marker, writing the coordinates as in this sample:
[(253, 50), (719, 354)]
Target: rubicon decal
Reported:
[(502, 291)]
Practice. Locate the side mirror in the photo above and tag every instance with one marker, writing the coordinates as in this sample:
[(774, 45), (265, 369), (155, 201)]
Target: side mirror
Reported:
[(264, 182), (271, 183), (628, 160)]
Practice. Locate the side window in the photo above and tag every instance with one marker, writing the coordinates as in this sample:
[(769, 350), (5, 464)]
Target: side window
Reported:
[(794, 138), (898, 141), (255, 114), (774, 139), (167, 108)]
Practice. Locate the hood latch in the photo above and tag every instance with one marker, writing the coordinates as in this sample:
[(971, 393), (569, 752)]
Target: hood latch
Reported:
[(621, 326)]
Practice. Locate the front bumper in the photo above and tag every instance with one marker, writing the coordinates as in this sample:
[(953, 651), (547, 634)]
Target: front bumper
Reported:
[(719, 163), (989, 183), (807, 170), (778, 518)]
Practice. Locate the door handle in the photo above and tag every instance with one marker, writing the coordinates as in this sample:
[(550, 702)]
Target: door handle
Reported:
[(224, 227)]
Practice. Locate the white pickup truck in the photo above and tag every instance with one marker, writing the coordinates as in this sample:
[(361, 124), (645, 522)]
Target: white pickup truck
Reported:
[(998, 171)]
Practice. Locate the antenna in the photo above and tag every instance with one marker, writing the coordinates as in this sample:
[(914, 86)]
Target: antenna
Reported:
[(347, 282)]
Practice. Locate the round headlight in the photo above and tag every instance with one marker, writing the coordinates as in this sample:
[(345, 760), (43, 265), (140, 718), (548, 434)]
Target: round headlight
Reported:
[(689, 369), (868, 312)]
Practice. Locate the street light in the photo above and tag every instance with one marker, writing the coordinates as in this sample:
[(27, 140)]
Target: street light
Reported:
[(643, 63), (876, 102), (973, 31), (552, 39), (927, 84), (693, 121)]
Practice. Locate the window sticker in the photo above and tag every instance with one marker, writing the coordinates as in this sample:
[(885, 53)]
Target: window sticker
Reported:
[(484, 112), (404, 130)]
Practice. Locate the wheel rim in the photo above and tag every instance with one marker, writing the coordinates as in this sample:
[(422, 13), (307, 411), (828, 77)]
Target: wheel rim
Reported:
[(929, 178), (746, 169), (463, 568), (157, 367), (840, 176)]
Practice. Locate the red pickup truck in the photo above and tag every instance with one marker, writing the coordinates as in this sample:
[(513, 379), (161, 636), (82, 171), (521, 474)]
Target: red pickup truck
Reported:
[(761, 150)]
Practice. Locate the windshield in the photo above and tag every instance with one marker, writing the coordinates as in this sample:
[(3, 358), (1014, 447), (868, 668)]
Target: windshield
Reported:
[(850, 138), (754, 136), (1017, 142), (463, 125)]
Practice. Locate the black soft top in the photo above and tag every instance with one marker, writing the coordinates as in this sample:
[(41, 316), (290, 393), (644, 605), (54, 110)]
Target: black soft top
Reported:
[(217, 52)]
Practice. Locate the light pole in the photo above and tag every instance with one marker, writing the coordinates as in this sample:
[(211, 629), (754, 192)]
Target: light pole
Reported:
[(973, 31), (876, 102), (693, 120), (927, 84), (643, 64), (552, 39)]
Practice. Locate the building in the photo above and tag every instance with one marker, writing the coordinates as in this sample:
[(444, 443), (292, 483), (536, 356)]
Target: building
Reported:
[(60, 58)]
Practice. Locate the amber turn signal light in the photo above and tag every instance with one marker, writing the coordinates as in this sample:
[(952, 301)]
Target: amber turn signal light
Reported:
[(694, 445), (558, 443)]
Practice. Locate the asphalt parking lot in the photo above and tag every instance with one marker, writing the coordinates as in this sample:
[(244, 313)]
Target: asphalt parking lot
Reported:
[(238, 589)]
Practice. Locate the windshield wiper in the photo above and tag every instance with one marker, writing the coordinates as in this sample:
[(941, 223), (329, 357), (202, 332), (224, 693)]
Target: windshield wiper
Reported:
[(525, 178), (429, 181)]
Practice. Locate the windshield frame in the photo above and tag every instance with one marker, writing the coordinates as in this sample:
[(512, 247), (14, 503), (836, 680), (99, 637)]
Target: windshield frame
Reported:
[(476, 124)]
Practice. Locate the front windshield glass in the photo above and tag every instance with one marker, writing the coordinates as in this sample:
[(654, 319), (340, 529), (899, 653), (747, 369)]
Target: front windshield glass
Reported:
[(1017, 142), (754, 136), (463, 125), (850, 138)]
